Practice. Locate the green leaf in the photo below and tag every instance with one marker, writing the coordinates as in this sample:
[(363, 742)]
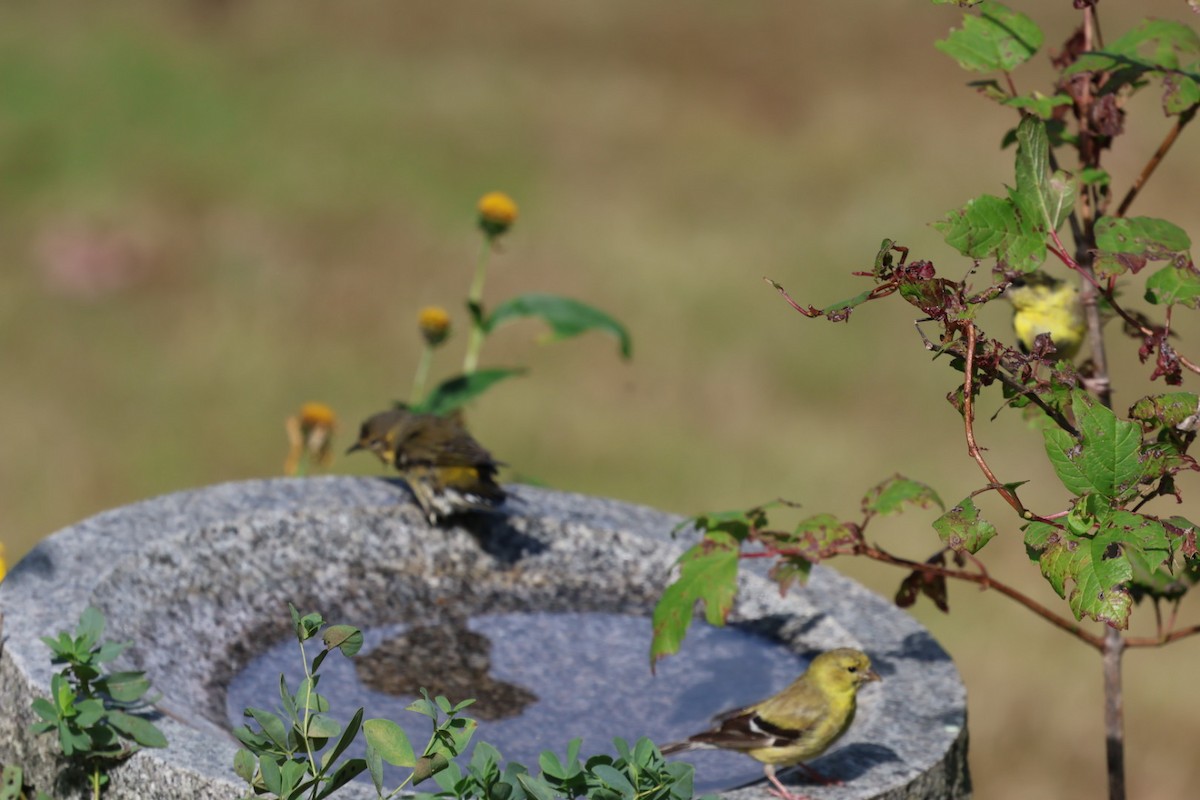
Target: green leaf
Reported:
[(456, 392), (962, 529), (347, 638), (88, 712), (375, 766), (707, 575), (1048, 198), (893, 494), (124, 687), (566, 318), (140, 729), (271, 725), (1182, 93), (91, 626), (390, 741), (1165, 410), (1174, 285), (1159, 42), (999, 39), (1156, 239), (613, 779), (990, 226), (323, 726), (271, 776), (342, 776), (245, 765), (347, 738), (537, 788), (1097, 570), (1105, 459)]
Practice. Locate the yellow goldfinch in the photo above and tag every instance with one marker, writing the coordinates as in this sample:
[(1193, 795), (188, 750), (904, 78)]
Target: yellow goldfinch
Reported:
[(796, 725), (448, 471), (1044, 304)]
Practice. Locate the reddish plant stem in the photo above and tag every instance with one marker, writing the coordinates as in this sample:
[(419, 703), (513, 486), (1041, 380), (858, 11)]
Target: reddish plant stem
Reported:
[(969, 424)]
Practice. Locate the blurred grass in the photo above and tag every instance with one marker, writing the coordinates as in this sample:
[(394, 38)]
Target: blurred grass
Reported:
[(216, 210)]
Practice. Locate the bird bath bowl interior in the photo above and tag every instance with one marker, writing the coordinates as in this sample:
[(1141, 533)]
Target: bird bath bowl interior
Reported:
[(544, 610)]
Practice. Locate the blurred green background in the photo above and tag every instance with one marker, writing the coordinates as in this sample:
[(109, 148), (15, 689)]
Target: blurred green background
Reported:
[(215, 210)]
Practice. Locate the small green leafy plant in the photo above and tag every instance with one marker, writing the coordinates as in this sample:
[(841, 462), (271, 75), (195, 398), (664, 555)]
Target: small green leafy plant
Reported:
[(290, 756), (637, 773), (1107, 547), (284, 758), (98, 716)]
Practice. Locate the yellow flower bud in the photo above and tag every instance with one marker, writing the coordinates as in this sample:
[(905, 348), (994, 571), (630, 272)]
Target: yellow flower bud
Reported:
[(310, 432), (497, 213), (434, 324)]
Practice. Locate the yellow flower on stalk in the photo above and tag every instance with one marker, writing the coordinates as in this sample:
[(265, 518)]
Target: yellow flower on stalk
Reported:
[(310, 431), (434, 324), (497, 213)]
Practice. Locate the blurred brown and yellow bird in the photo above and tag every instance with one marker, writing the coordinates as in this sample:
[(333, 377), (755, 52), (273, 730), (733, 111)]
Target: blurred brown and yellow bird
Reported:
[(798, 724), (1044, 304), (448, 471)]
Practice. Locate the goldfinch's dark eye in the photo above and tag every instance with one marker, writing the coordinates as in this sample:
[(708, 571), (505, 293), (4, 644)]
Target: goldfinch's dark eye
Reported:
[(852, 669)]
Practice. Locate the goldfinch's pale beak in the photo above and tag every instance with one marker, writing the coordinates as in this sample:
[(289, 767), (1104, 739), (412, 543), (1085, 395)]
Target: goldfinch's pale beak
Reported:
[(872, 675), (355, 447)]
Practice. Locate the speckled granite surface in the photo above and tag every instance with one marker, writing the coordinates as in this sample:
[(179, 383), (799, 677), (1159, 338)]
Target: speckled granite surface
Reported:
[(200, 581)]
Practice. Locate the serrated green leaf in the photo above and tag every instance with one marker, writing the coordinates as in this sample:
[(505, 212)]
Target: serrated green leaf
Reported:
[(564, 316), (707, 575), (390, 741), (456, 392), (1157, 239), (1181, 93), (990, 226), (962, 529), (1174, 285), (1097, 570), (1066, 455), (1165, 410), (140, 729), (1046, 198), (893, 494), (1110, 448), (998, 39), (1159, 41)]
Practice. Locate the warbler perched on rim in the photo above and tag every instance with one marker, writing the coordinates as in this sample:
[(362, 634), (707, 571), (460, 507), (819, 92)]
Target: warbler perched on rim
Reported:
[(1044, 304), (448, 471), (798, 724)]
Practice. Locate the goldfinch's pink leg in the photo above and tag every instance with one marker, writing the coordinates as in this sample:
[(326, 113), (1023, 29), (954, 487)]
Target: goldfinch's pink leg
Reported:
[(778, 789)]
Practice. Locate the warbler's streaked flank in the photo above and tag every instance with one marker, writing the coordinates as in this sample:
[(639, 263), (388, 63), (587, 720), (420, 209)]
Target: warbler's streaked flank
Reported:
[(798, 724), (448, 471), (1044, 304)]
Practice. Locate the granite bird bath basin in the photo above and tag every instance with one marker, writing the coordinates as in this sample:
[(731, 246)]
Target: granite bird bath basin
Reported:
[(200, 582)]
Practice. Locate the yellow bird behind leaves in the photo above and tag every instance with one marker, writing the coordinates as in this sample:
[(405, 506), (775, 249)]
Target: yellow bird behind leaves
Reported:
[(796, 725), (448, 471), (1044, 304)]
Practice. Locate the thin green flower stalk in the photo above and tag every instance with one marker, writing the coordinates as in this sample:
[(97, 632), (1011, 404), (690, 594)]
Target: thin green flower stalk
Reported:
[(497, 213), (434, 325)]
